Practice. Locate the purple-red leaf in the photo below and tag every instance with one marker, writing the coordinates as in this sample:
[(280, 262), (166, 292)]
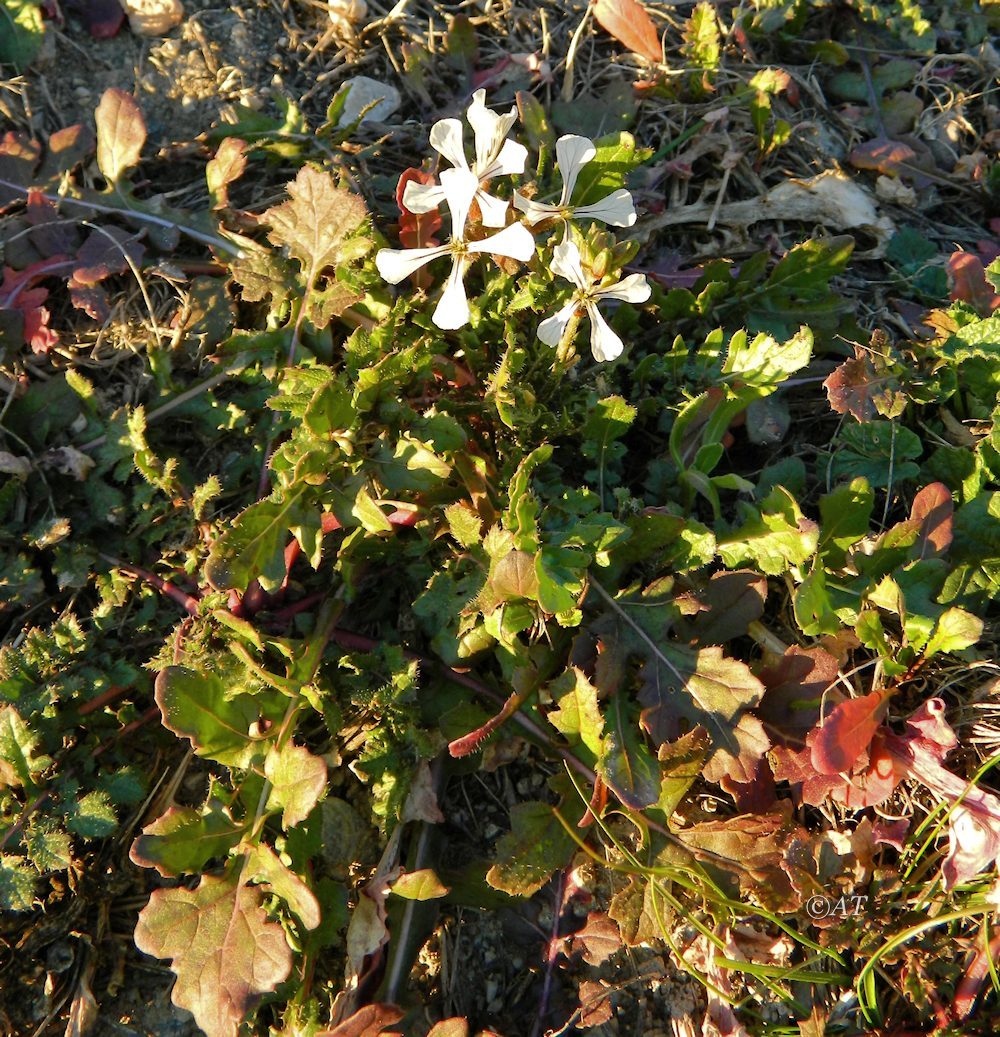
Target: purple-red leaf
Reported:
[(846, 733), (933, 509), (598, 939)]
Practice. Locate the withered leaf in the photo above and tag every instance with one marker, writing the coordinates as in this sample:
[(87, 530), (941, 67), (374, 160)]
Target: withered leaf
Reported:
[(315, 222), (121, 133), (598, 939)]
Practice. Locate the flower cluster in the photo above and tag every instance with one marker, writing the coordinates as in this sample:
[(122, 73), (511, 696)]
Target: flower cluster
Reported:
[(464, 190)]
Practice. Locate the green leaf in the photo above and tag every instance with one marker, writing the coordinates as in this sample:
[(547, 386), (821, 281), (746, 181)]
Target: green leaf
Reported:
[(465, 525), (21, 32), (681, 764), (956, 629), (774, 540), (48, 846), (254, 545), (704, 687), (765, 363), (225, 952), (883, 452), (369, 514), (845, 516), (183, 840), (298, 780), (92, 816), (314, 224), (617, 155), (263, 865), (701, 37), (18, 747), (626, 765), (979, 339), (423, 884), (17, 884), (577, 716), (121, 133), (528, 855), (195, 706)]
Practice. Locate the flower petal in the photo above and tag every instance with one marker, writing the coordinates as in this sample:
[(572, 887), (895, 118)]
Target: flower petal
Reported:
[(446, 139), (493, 209), (491, 131), (572, 154), (604, 343), (566, 263), (395, 264), (515, 242), (452, 310), (634, 288), (420, 198), (535, 212), (551, 330), (511, 159), (617, 210), (460, 187)]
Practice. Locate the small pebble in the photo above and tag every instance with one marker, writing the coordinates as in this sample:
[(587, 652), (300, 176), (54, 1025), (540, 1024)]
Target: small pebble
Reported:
[(364, 91), (153, 17)]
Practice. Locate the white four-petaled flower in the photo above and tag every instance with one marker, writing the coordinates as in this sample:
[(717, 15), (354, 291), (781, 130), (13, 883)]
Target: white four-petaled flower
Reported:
[(452, 311), (604, 343), (572, 154), (495, 156)]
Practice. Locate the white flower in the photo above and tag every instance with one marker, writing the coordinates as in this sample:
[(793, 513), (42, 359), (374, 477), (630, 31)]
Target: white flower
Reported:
[(495, 156), (452, 311), (572, 154), (604, 343)]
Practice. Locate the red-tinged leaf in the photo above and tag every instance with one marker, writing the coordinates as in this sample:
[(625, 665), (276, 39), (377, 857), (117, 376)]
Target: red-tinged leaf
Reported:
[(65, 150), (121, 133), (102, 18), (598, 939), (370, 1021), (629, 23), (883, 155), (92, 299), (933, 509), (756, 796), (967, 279), (105, 252), (50, 233), (846, 733), (852, 387), (18, 158), (18, 295), (417, 230), (225, 952), (229, 165)]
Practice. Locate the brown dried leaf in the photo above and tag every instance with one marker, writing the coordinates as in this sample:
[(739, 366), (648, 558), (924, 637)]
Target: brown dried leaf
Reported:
[(933, 509), (370, 1021), (598, 939), (629, 23), (229, 165), (883, 155), (595, 1003)]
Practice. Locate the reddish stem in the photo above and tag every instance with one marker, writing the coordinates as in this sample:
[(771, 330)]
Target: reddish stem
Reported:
[(186, 601)]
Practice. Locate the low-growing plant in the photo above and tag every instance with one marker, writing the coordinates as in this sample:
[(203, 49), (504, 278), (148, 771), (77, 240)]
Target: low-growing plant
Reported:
[(461, 528)]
